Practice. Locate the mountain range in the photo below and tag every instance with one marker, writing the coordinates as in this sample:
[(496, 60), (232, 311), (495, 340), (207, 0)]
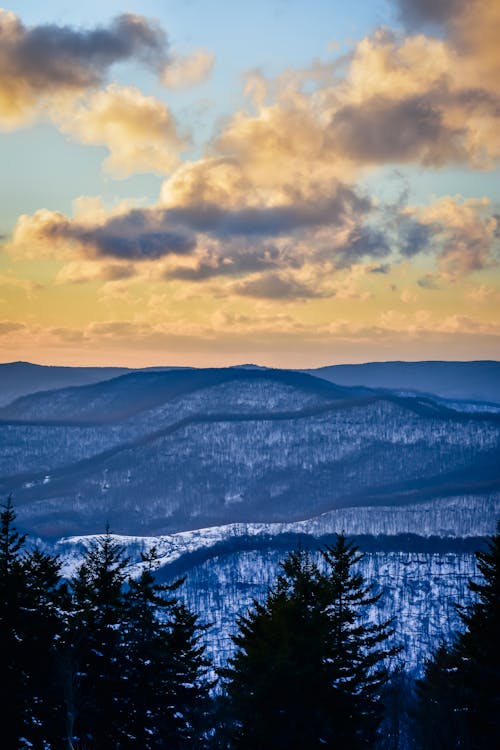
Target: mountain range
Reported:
[(225, 469)]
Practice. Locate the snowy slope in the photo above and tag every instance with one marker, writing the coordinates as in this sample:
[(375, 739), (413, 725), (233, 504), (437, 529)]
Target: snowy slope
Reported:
[(420, 589)]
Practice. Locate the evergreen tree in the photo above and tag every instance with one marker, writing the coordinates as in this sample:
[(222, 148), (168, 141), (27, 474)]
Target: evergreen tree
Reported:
[(32, 599), (459, 695), (45, 613), (93, 664), (438, 724), (186, 683), (308, 669), (13, 597), (167, 694), (478, 653), (359, 656), (396, 731)]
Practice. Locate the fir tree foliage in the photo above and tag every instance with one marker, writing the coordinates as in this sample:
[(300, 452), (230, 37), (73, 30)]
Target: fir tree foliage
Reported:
[(168, 693), (106, 662), (309, 668), (478, 652), (33, 602), (95, 662), (138, 670), (459, 695)]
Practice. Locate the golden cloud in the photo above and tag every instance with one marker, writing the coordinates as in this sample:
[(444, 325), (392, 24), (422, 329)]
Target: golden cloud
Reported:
[(41, 64), (189, 70), (464, 234), (139, 131)]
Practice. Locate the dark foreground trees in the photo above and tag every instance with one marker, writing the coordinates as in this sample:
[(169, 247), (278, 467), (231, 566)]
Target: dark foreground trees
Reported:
[(33, 599), (309, 668), (108, 662), (135, 674), (103, 663), (459, 696)]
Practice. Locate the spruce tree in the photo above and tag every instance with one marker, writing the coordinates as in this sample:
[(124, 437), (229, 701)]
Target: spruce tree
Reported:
[(478, 652), (185, 683), (308, 669), (359, 656), (459, 694), (93, 664), (32, 602), (46, 612), (167, 693), (438, 722), (14, 694)]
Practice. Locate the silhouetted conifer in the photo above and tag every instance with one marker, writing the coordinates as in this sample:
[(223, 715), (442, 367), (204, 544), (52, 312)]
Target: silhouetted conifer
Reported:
[(32, 602), (167, 692), (94, 663), (308, 669), (459, 695)]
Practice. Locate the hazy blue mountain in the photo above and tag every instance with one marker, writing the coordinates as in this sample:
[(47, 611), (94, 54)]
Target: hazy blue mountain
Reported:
[(19, 378), (160, 452), (453, 380), (22, 378), (141, 390)]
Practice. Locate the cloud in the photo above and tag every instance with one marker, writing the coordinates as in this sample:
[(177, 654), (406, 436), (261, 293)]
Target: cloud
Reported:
[(413, 236), (483, 294), (417, 12), (276, 286), (83, 272), (428, 281), (362, 242), (271, 209), (41, 62), (7, 327), (271, 220), (414, 99), (464, 235), (139, 131), (136, 235), (383, 130), (471, 28), (187, 71), (237, 260)]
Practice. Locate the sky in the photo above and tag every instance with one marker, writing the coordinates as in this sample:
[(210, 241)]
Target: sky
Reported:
[(285, 182)]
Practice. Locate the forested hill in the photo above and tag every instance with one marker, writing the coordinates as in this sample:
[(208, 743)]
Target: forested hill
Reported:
[(20, 378), (161, 452), (453, 380), (138, 391)]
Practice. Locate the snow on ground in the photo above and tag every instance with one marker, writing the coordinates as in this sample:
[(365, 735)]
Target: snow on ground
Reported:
[(448, 517)]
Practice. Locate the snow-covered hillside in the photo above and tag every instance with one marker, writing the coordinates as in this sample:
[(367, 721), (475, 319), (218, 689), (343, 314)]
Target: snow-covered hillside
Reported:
[(189, 464), (420, 589), (455, 517), (223, 470)]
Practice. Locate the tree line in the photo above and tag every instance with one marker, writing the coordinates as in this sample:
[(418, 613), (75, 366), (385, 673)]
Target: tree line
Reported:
[(106, 661)]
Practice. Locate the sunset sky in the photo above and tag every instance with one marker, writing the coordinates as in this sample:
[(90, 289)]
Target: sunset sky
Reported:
[(289, 182)]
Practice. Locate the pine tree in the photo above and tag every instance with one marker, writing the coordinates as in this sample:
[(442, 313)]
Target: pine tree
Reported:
[(308, 670), (185, 682), (45, 613), (167, 693), (32, 598), (359, 657), (93, 663), (460, 690), (478, 651), (13, 596), (438, 725)]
